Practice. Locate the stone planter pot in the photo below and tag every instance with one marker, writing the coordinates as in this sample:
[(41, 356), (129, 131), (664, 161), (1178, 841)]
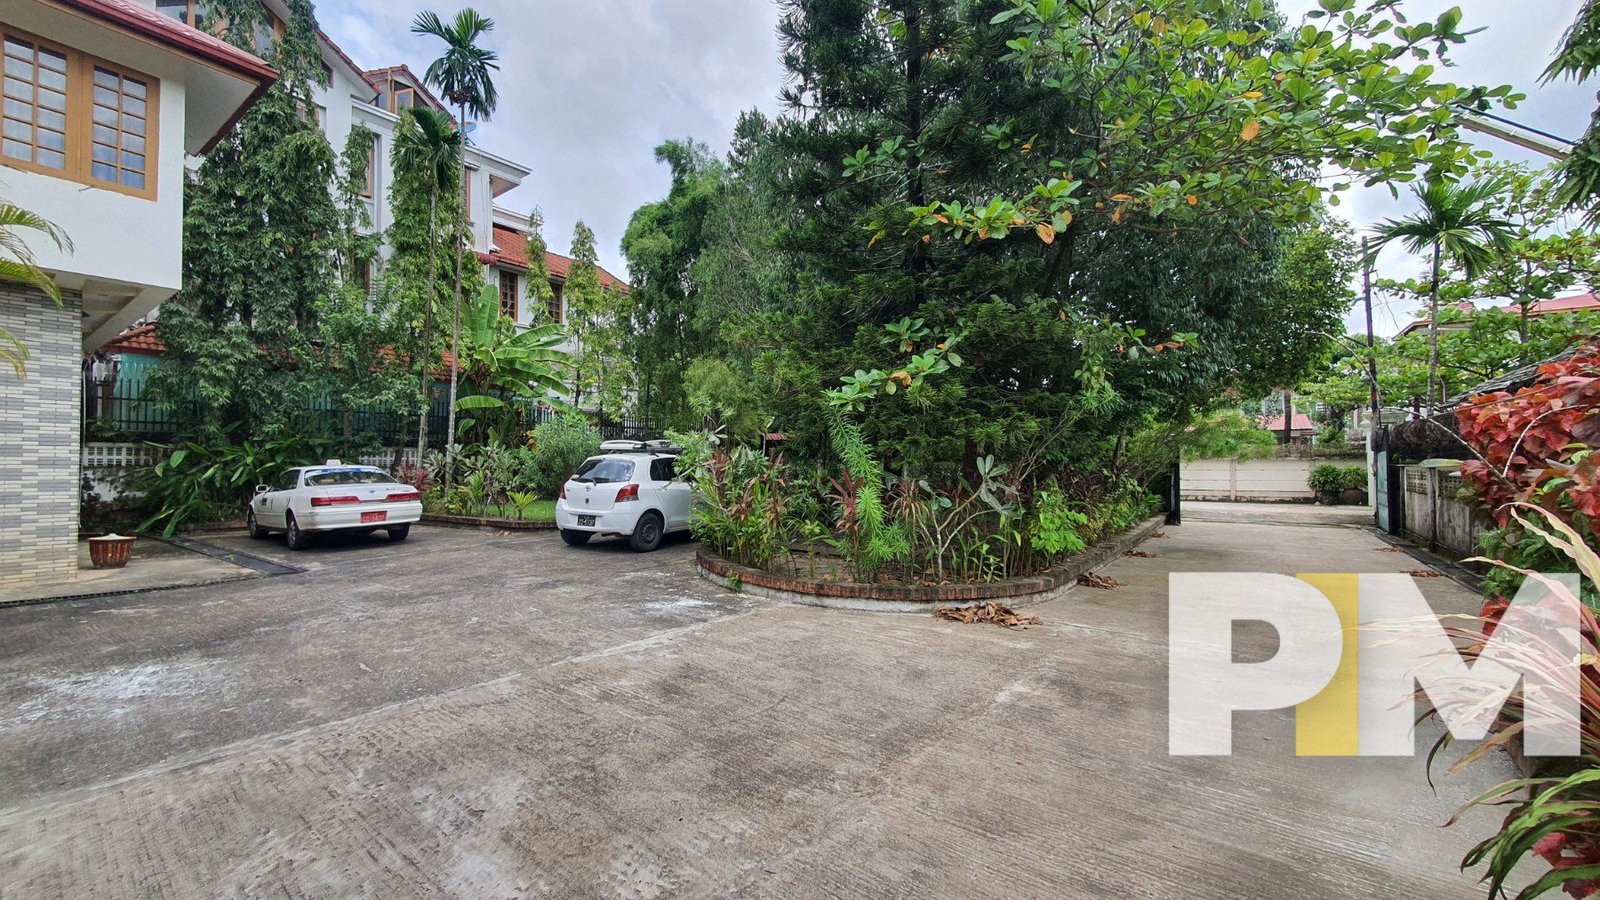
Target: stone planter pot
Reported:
[(111, 551), (1328, 498)]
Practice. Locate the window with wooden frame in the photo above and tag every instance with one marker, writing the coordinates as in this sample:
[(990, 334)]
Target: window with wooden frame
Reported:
[(371, 187), (80, 118), (466, 194), (402, 97), (555, 309), (508, 294)]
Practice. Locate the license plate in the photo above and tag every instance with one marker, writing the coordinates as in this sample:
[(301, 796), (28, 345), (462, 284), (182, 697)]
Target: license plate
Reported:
[(373, 517), (586, 520)]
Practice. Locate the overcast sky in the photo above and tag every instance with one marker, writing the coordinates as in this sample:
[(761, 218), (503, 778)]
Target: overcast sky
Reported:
[(587, 90)]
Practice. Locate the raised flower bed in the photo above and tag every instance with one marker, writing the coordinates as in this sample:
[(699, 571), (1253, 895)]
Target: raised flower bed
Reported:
[(918, 598)]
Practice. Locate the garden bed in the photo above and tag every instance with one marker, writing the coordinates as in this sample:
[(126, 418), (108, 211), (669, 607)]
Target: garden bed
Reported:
[(917, 598), (482, 522)]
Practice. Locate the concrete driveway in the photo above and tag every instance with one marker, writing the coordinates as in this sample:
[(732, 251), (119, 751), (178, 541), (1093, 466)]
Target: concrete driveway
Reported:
[(480, 715)]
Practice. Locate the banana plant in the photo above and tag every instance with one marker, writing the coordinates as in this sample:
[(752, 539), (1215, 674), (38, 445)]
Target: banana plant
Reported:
[(495, 357)]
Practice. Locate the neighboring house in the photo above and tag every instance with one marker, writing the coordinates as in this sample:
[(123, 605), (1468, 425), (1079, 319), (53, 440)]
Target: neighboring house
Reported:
[(1300, 429), (103, 101), (376, 98), (1580, 303), (506, 267)]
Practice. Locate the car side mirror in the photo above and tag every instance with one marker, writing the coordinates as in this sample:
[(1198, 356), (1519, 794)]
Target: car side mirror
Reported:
[(262, 488)]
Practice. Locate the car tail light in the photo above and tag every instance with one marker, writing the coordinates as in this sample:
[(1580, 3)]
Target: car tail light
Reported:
[(628, 492), (333, 501), (563, 492), (402, 497)]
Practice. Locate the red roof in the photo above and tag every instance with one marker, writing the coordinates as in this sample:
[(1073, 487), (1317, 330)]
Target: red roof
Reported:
[(373, 76), (142, 340), (146, 22), (511, 249), (1302, 422), (1560, 305)]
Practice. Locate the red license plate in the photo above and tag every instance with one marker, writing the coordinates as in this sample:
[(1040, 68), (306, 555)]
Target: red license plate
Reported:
[(373, 517)]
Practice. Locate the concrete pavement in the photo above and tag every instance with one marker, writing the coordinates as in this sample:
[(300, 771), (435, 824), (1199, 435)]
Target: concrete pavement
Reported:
[(472, 714)]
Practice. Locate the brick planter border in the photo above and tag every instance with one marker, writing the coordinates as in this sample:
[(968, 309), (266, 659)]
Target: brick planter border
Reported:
[(918, 598), (476, 522)]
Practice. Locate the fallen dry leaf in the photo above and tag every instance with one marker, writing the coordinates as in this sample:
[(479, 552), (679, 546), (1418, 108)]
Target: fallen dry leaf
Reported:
[(1159, 534), (1091, 579), (991, 612), (1387, 550), (1424, 573), (1140, 554)]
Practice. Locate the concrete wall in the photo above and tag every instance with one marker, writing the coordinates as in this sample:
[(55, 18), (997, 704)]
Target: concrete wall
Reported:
[(1252, 479), (1433, 515), (39, 440)]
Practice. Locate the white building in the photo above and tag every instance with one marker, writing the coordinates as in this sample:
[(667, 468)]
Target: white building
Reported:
[(103, 100), (376, 98)]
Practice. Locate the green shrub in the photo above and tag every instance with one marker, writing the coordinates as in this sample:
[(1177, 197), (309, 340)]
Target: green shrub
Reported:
[(1326, 477), (560, 446), (211, 478), (1353, 478)]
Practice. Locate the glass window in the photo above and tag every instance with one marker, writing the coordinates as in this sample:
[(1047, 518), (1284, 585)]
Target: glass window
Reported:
[(508, 294), (605, 470), (35, 108), (290, 480), (372, 170), (117, 152), (342, 477), (555, 303), (64, 113), (177, 9), (661, 469)]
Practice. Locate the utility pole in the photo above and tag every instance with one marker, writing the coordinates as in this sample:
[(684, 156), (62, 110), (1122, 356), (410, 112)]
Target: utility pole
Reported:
[(1372, 342)]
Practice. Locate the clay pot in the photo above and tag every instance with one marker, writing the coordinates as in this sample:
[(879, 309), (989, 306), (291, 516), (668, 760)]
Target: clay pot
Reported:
[(111, 551), (1353, 497)]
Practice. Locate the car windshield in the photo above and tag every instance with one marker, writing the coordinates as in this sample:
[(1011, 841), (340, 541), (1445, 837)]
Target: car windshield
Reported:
[(604, 470), (341, 477)]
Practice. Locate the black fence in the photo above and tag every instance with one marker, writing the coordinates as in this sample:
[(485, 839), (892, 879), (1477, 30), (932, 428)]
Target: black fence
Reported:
[(128, 411)]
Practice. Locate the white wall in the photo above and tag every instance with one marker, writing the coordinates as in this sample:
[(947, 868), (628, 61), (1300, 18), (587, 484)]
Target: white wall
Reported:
[(117, 237), (1255, 479)]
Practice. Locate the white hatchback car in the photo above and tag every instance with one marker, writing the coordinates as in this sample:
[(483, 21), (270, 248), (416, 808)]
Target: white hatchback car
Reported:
[(333, 497), (630, 490)]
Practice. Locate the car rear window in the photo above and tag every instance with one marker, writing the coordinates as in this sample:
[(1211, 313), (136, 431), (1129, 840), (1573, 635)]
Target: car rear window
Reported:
[(605, 470), (342, 477)]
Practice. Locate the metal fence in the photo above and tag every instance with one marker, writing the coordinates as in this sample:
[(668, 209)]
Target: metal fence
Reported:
[(129, 411)]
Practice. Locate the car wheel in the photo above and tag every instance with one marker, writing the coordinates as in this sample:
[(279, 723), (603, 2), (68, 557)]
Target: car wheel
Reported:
[(293, 536), (575, 538), (400, 533), (256, 531), (647, 533)]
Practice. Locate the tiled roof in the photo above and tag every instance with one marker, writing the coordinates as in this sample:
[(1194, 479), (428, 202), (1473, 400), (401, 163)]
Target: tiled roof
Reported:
[(1560, 305), (1302, 422), (142, 340), (511, 248), (376, 75)]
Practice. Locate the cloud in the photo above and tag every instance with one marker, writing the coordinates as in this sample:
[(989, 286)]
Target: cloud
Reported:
[(589, 89)]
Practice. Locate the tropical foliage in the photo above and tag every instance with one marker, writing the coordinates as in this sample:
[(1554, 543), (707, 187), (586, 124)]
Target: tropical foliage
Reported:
[(17, 266)]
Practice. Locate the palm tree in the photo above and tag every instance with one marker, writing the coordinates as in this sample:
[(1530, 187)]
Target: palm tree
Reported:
[(461, 75), (427, 146), (17, 266), (1457, 222)]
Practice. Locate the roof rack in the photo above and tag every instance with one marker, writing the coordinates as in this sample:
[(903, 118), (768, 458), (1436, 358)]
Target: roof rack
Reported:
[(651, 447)]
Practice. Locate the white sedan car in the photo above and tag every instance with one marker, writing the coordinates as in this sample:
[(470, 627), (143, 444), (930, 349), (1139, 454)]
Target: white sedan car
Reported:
[(631, 490), (333, 497)]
